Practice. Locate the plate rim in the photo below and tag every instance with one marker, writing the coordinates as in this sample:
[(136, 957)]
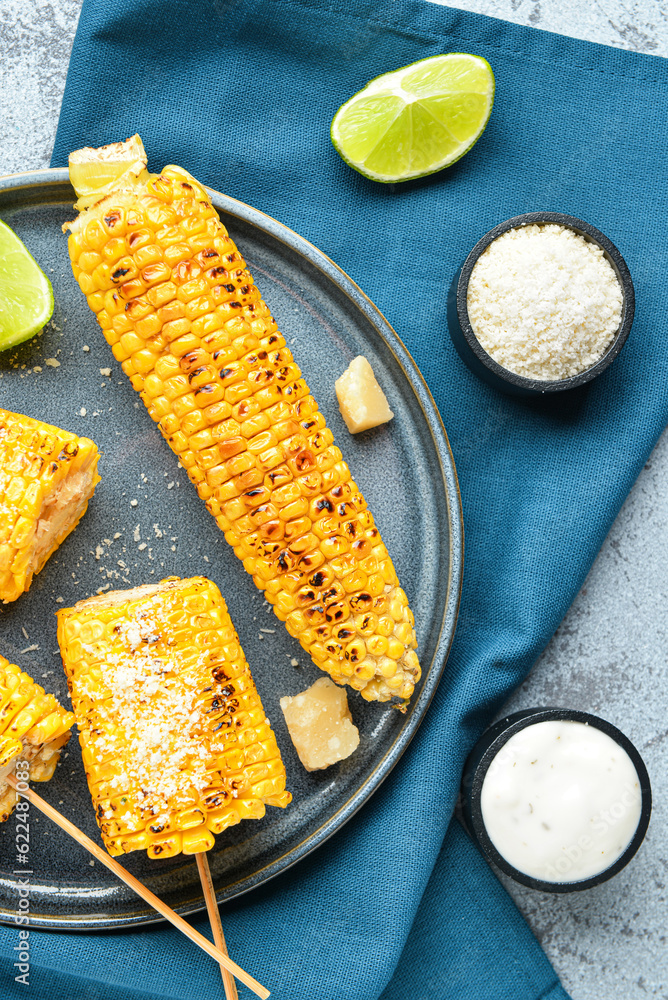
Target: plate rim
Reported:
[(39, 180)]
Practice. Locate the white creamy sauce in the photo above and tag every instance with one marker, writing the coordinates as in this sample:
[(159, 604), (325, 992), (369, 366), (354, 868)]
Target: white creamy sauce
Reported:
[(561, 801)]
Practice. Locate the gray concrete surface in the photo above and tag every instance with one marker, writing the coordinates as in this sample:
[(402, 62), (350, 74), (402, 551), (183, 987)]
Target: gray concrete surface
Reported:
[(608, 656)]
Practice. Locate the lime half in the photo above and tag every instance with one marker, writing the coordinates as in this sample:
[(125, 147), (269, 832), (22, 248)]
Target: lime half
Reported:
[(26, 296), (415, 120)]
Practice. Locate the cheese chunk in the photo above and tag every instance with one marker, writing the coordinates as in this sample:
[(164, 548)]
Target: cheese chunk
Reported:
[(320, 724), (361, 400)]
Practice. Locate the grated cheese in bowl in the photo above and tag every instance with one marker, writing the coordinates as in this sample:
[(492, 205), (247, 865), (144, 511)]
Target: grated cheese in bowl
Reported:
[(544, 302)]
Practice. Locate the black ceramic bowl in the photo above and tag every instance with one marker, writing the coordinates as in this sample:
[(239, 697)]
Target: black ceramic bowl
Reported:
[(484, 753), (479, 361)]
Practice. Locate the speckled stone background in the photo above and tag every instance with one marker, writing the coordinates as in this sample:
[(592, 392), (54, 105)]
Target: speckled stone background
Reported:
[(609, 654)]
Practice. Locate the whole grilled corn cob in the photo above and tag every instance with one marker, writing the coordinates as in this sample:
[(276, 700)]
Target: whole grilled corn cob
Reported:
[(47, 477), (33, 726), (184, 317), (174, 738)]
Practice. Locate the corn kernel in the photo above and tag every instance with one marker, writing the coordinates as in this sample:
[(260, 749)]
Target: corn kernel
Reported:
[(200, 344)]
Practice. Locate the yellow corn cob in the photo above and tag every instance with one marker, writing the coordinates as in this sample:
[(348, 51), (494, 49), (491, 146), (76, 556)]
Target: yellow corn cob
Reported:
[(33, 726), (174, 739), (184, 317), (47, 477)]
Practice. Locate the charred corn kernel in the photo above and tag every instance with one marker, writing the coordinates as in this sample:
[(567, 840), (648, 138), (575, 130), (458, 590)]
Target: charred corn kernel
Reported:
[(174, 738), (226, 393), (33, 726), (47, 477), (9, 749)]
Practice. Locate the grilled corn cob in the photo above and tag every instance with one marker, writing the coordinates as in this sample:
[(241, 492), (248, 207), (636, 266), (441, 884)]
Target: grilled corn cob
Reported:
[(47, 477), (33, 726), (185, 319), (173, 735)]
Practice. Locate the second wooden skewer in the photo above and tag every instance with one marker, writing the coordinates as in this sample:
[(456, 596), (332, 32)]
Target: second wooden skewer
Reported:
[(124, 875), (214, 920)]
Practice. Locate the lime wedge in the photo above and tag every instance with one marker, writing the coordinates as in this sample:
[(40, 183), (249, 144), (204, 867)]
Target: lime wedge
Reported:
[(417, 119), (26, 296)]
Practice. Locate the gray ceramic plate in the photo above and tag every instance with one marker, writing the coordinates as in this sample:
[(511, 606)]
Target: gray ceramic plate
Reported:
[(147, 522)]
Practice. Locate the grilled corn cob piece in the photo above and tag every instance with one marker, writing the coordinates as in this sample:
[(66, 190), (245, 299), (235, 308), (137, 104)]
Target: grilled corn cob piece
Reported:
[(33, 726), (47, 477), (181, 311), (174, 738)]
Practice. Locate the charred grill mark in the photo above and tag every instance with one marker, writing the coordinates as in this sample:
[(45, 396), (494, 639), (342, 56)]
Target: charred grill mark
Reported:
[(112, 219), (216, 799), (304, 460), (119, 272), (360, 601), (334, 613), (324, 504), (196, 372), (70, 451)]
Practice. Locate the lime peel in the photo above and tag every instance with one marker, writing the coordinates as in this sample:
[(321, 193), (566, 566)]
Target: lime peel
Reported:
[(26, 295), (415, 120)]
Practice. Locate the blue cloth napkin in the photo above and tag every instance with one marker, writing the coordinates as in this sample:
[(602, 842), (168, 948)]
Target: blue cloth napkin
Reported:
[(241, 93)]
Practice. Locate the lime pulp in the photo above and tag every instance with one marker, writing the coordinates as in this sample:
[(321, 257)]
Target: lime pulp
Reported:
[(417, 119), (26, 296)]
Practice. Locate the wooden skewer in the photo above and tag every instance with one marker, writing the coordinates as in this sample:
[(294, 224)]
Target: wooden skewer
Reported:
[(214, 920), (221, 957)]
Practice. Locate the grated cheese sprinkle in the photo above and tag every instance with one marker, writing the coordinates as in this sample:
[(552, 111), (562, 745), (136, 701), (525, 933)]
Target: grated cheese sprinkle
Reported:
[(544, 302)]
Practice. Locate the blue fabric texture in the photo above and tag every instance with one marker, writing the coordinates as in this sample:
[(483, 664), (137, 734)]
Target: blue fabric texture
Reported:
[(241, 93)]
